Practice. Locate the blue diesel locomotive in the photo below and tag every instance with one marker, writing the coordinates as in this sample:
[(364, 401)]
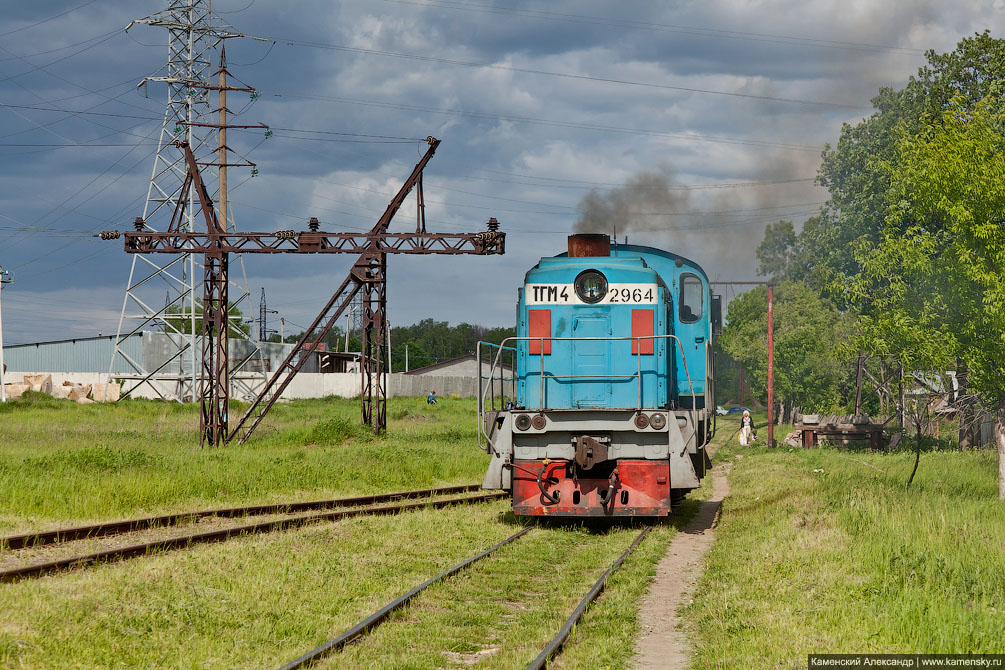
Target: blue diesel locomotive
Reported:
[(603, 403)]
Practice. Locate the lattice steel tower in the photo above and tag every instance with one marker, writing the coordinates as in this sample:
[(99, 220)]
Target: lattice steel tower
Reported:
[(194, 34)]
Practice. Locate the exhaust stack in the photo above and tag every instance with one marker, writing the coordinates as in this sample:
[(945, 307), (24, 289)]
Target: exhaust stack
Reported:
[(589, 244)]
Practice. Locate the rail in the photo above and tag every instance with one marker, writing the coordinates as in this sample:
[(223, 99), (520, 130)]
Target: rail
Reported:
[(184, 541), (638, 376)]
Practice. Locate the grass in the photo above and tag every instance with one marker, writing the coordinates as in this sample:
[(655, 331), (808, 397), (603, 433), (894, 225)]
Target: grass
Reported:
[(502, 611), (819, 553), (261, 601), (62, 462)]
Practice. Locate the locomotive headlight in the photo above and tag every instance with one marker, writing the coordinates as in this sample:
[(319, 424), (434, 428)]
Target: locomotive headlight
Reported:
[(591, 286), (657, 421), (522, 422)]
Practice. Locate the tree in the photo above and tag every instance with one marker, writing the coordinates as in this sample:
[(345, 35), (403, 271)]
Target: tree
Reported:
[(781, 253), (807, 330), (857, 170), (953, 171)]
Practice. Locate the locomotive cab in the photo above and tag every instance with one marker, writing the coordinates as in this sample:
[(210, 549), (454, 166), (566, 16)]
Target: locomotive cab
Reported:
[(605, 412)]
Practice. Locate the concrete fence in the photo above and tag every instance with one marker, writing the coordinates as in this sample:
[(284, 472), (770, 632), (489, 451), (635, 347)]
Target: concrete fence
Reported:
[(304, 385)]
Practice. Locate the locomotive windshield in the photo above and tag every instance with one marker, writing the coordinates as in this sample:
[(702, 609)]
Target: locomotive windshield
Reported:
[(690, 298)]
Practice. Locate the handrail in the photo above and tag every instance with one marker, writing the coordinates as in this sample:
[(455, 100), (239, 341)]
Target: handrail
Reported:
[(480, 399), (501, 346)]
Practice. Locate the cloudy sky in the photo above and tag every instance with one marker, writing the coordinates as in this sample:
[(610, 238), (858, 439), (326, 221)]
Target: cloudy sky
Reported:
[(688, 125)]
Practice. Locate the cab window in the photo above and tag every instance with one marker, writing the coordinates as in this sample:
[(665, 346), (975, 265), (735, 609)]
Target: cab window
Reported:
[(690, 298)]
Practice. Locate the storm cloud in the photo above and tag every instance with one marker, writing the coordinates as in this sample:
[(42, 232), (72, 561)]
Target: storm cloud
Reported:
[(685, 125)]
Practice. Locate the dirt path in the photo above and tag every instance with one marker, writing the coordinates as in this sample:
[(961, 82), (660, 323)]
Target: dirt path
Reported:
[(661, 645)]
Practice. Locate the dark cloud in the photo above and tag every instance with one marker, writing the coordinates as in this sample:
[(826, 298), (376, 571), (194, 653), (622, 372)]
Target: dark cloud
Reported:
[(558, 139)]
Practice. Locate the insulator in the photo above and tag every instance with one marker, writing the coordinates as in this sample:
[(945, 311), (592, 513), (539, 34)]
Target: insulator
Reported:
[(314, 224), (493, 224)]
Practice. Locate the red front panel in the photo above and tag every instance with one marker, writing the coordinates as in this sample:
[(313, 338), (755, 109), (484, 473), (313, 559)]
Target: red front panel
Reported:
[(538, 325), (643, 323), (643, 489)]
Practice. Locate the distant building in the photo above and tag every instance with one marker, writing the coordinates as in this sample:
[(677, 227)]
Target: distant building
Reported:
[(460, 366)]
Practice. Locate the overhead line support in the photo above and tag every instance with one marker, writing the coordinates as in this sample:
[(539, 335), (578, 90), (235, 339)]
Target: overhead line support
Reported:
[(367, 276)]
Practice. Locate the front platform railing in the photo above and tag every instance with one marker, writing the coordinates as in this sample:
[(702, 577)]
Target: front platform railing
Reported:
[(487, 385)]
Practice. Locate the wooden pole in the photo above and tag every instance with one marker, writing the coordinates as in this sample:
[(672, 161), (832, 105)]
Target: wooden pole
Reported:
[(858, 387), (771, 365), (222, 140)]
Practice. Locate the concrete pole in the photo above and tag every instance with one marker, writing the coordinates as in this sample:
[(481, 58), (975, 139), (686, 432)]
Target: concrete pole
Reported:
[(282, 329), (406, 358), (771, 365)]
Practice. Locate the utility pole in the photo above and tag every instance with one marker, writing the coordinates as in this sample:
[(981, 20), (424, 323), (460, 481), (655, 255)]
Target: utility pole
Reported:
[(263, 312), (771, 348), (5, 278), (771, 365)]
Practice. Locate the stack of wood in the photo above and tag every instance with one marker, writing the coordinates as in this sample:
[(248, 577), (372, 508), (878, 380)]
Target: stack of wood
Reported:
[(835, 419), (80, 393), (842, 429)]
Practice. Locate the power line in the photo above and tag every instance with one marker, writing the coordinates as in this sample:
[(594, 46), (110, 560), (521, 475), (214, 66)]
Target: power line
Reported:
[(51, 18), (75, 112), (565, 75), (665, 27), (62, 48), (547, 122), (581, 185), (456, 112), (77, 144)]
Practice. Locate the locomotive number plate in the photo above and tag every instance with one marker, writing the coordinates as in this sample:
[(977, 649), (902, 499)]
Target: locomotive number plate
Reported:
[(565, 294)]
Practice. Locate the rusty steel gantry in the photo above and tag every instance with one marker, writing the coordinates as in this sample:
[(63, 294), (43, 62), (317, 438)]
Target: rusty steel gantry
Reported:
[(368, 275)]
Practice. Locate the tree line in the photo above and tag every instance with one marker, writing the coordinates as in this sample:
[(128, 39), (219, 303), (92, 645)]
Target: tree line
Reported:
[(905, 265), (424, 343)]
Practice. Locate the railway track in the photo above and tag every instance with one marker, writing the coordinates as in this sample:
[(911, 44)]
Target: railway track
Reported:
[(541, 661), (55, 537), (556, 643), (43, 538)]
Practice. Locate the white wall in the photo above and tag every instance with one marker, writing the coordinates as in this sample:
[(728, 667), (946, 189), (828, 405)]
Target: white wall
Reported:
[(304, 385)]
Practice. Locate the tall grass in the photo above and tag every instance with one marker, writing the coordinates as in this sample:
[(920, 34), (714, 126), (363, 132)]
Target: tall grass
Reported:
[(819, 552), (60, 461)]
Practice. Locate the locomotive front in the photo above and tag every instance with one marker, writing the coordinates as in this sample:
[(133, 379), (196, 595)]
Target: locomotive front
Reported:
[(602, 411)]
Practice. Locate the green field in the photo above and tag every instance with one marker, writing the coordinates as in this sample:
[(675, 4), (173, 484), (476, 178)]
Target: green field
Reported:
[(61, 462), (818, 550), (261, 601)]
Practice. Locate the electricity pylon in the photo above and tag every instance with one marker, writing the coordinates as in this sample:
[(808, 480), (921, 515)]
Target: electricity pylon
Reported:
[(195, 33)]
